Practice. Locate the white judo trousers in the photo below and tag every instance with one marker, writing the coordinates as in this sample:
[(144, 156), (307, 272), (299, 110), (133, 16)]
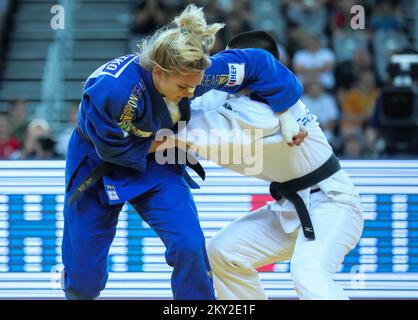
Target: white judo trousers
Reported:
[(273, 233)]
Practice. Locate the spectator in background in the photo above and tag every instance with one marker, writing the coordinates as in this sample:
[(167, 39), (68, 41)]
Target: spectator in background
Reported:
[(324, 106), (18, 118), (3, 9), (385, 44), (214, 12), (386, 16), (233, 25), (374, 142), (353, 146), (357, 104), (149, 15), (283, 53), (346, 42), (310, 15), (64, 137), (348, 72), (340, 13), (389, 36), (243, 9), (295, 38), (362, 59), (35, 129), (315, 63), (383, 140), (8, 143), (44, 149), (4, 4)]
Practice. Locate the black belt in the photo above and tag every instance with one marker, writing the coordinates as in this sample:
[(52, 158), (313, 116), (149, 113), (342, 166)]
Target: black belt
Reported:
[(290, 188), (105, 167)]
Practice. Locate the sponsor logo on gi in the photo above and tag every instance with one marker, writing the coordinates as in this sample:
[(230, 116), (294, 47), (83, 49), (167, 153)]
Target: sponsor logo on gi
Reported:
[(113, 66), (111, 192), (129, 114), (307, 118), (236, 74), (212, 80), (308, 229)]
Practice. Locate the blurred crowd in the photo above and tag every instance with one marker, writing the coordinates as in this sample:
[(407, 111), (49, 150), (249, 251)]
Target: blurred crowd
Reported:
[(23, 137), (4, 8), (343, 70)]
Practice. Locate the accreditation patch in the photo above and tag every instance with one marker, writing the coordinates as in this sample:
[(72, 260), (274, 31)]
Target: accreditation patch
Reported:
[(236, 74), (111, 192)]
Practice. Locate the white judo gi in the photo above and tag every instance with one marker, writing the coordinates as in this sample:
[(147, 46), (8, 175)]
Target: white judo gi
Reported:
[(273, 233)]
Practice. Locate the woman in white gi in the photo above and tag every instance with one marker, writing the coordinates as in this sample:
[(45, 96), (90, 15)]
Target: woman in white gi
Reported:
[(273, 233)]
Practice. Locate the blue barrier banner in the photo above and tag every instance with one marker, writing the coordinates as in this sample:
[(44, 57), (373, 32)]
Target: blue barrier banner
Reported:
[(383, 265)]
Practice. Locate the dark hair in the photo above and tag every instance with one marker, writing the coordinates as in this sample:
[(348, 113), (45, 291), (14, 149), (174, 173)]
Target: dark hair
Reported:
[(47, 143), (255, 39)]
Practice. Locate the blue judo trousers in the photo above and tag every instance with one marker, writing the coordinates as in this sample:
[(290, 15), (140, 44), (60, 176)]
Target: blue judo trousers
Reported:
[(120, 113), (167, 207)]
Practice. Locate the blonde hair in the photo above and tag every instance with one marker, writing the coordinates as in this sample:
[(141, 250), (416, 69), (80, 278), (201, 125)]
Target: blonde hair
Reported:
[(183, 48)]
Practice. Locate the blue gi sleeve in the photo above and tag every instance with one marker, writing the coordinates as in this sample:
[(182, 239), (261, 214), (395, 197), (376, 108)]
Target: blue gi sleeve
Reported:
[(103, 104), (254, 69)]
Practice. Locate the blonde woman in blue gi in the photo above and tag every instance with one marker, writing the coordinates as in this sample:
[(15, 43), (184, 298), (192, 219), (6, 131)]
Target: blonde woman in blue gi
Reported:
[(110, 160)]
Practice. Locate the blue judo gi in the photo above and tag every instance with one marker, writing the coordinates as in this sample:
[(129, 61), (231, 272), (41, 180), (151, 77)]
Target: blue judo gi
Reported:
[(120, 113)]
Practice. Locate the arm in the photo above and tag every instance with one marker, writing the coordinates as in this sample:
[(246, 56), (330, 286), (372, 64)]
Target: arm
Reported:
[(102, 105), (258, 71), (290, 129)]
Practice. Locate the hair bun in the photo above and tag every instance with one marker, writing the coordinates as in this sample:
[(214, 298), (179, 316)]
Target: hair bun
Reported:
[(192, 20), (184, 48)]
